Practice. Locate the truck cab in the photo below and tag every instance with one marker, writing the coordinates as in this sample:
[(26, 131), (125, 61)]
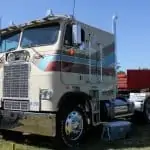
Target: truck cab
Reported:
[(58, 78)]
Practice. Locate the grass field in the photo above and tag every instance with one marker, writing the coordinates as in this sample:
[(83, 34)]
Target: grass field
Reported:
[(140, 139)]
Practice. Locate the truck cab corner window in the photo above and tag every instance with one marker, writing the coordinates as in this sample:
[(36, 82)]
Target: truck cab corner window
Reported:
[(68, 36), (82, 35), (83, 41)]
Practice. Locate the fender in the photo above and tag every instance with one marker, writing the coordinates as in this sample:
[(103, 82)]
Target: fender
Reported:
[(74, 98)]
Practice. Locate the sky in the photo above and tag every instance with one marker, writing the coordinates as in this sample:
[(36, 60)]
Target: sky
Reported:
[(133, 25)]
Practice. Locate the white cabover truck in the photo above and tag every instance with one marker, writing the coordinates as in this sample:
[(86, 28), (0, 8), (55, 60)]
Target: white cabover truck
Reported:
[(58, 78)]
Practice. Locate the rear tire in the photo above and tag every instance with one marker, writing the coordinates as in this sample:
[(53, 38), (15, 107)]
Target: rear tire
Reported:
[(146, 112), (72, 125), (143, 117)]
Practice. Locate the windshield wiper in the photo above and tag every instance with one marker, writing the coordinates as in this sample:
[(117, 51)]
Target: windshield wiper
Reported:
[(27, 46), (10, 49), (31, 46), (42, 56)]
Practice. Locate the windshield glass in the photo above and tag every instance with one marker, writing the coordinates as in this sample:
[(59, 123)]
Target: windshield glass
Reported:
[(40, 35), (9, 41)]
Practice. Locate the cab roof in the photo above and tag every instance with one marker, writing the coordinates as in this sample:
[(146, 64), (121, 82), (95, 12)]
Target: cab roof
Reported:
[(36, 22)]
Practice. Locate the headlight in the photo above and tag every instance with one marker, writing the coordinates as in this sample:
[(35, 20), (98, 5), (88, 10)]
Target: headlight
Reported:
[(24, 55), (11, 57), (46, 94), (27, 55)]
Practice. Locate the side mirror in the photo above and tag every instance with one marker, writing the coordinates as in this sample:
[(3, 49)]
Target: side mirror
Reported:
[(76, 33)]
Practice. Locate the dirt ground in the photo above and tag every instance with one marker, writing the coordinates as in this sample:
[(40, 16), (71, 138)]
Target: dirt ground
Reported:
[(140, 139)]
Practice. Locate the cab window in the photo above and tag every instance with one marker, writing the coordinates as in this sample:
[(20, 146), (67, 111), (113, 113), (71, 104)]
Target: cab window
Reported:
[(68, 36), (82, 35)]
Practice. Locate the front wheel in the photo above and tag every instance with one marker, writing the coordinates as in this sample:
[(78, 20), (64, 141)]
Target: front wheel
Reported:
[(72, 126)]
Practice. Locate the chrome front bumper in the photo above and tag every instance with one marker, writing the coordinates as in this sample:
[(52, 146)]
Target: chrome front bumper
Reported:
[(29, 122)]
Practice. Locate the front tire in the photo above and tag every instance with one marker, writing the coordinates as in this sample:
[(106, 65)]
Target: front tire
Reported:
[(72, 126)]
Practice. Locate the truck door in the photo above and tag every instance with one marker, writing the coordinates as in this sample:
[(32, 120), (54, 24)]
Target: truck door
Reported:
[(73, 61), (81, 64)]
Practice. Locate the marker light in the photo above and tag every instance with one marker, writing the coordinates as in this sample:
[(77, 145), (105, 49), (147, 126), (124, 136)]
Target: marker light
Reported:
[(72, 52)]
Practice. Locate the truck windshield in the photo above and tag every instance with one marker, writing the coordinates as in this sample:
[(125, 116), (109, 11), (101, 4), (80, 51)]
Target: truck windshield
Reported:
[(40, 35), (9, 41)]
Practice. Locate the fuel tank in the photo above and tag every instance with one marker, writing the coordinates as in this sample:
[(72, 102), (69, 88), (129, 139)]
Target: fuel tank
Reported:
[(116, 108), (122, 106)]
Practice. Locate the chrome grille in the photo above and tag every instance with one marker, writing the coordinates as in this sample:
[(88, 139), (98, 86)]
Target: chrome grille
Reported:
[(16, 105), (16, 80)]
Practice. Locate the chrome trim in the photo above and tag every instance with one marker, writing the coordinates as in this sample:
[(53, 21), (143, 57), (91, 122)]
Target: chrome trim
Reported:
[(124, 115), (16, 80), (74, 125), (16, 105), (15, 98)]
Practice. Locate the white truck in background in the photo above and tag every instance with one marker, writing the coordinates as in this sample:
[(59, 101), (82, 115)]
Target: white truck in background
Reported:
[(141, 102)]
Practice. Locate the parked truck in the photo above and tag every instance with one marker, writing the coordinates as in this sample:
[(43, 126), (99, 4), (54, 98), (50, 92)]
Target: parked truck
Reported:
[(58, 78), (135, 85)]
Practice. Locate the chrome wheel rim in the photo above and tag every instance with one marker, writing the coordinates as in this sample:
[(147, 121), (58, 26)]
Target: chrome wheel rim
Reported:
[(148, 109), (74, 125)]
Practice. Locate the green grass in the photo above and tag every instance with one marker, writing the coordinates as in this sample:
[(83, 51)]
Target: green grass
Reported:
[(140, 139), (7, 145)]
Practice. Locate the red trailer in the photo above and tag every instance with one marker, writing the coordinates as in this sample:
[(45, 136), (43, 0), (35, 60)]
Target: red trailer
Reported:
[(134, 80), (138, 79), (135, 85)]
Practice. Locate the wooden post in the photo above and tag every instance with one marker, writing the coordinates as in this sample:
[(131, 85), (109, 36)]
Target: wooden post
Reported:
[(14, 146)]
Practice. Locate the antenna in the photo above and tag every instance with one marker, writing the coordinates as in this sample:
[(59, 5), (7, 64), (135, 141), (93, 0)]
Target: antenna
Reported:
[(74, 5), (49, 12), (12, 23)]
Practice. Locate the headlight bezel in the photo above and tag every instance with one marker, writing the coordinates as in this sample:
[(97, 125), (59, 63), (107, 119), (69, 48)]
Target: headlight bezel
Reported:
[(21, 55), (25, 56), (46, 94), (9, 56)]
